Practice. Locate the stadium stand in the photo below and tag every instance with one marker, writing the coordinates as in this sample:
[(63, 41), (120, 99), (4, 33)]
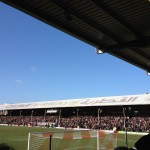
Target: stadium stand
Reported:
[(135, 124), (90, 113)]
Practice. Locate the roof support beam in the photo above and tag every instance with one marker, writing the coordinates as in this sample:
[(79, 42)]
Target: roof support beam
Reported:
[(90, 23), (118, 18), (140, 43), (131, 61), (137, 50)]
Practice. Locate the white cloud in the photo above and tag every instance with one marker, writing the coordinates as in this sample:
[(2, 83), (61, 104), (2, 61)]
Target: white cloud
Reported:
[(19, 81), (33, 68)]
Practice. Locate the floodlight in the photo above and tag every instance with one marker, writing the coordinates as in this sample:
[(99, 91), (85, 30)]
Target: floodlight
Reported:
[(99, 51)]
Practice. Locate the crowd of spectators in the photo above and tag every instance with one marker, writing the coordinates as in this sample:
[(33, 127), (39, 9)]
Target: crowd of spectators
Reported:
[(134, 124)]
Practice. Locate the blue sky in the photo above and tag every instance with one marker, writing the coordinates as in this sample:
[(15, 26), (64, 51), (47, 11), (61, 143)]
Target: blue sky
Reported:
[(40, 63)]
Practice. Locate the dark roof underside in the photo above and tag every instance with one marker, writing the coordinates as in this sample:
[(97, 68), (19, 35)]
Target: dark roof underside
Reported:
[(118, 27)]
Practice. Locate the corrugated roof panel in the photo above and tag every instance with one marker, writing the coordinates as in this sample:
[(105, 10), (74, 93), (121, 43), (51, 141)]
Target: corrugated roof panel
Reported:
[(135, 12), (134, 56), (123, 26)]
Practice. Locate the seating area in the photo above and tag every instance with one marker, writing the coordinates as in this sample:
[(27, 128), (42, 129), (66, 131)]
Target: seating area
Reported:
[(134, 124)]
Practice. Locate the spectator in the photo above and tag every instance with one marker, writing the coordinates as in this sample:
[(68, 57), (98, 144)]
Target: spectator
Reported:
[(4, 146), (143, 143), (121, 148)]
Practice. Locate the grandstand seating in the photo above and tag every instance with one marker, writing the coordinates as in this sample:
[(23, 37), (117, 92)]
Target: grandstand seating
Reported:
[(134, 124)]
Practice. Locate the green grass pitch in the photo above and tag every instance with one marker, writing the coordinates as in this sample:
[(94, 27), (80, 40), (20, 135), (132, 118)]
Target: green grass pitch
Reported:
[(17, 137)]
